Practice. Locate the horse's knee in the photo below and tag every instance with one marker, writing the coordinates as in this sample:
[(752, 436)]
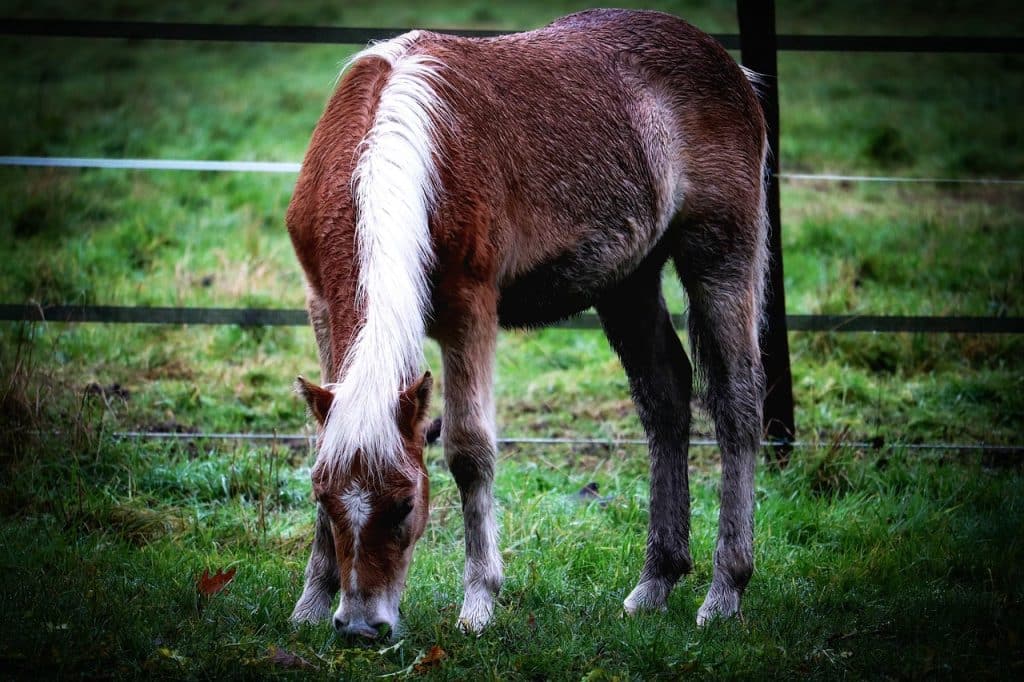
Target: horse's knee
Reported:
[(736, 405), (469, 453), (672, 562)]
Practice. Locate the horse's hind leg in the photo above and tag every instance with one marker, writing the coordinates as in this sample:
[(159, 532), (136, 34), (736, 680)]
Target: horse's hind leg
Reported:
[(660, 377), (322, 580), (721, 267)]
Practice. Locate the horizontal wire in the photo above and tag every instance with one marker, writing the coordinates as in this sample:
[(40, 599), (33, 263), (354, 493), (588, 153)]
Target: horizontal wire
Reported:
[(833, 177), (608, 442), (247, 33), (152, 164), (294, 167)]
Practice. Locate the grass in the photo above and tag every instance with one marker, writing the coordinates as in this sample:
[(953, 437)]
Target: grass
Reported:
[(871, 563), (868, 566)]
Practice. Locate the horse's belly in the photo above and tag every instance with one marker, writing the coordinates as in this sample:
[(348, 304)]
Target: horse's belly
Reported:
[(547, 294), (571, 281)]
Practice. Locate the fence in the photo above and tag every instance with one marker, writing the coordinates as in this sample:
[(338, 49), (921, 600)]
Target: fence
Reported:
[(758, 44)]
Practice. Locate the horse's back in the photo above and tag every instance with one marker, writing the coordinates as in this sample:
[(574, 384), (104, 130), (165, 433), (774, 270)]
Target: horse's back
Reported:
[(582, 140), (321, 213)]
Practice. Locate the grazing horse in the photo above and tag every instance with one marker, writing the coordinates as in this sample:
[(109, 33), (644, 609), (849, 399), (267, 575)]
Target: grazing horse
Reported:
[(454, 186)]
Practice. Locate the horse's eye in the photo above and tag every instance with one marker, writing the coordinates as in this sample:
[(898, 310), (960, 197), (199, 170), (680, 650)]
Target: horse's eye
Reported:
[(400, 510)]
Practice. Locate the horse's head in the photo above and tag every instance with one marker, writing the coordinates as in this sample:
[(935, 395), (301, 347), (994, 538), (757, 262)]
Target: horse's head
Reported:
[(376, 516)]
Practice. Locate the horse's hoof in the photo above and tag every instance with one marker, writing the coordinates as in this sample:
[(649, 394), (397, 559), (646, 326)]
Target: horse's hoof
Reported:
[(650, 595), (311, 611), (475, 616), (720, 603)]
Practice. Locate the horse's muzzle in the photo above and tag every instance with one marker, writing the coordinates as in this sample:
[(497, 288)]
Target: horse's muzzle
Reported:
[(360, 628)]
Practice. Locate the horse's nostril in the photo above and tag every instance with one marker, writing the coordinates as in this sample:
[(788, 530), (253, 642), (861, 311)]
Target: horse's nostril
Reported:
[(339, 624), (360, 630)]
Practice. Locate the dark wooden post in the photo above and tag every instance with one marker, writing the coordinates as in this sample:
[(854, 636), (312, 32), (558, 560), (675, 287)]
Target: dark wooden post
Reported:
[(758, 52)]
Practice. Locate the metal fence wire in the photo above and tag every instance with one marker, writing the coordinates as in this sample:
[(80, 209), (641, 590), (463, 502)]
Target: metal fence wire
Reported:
[(759, 46)]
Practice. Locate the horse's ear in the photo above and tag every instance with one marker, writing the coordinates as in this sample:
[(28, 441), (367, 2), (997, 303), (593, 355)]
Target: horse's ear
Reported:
[(319, 399), (414, 402)]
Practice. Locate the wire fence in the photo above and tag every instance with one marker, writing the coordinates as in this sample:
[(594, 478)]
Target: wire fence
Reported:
[(582, 442), (759, 44), (285, 317), (201, 165)]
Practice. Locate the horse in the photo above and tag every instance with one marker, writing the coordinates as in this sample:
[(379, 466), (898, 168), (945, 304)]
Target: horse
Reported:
[(455, 186)]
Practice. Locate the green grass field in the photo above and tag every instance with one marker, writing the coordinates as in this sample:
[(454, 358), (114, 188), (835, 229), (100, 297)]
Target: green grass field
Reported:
[(888, 562)]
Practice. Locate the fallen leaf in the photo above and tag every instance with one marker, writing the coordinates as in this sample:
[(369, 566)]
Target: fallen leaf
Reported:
[(283, 658), (430, 660), (209, 585), (531, 622)]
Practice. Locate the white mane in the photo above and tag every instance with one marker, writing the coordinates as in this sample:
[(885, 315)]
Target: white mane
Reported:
[(395, 186)]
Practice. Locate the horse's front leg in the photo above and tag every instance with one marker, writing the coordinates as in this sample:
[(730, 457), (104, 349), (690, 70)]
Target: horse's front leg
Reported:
[(319, 317), (322, 579), (470, 447)]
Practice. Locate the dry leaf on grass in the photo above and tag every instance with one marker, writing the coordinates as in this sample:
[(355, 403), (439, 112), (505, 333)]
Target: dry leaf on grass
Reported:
[(209, 585), (430, 660), (282, 658)]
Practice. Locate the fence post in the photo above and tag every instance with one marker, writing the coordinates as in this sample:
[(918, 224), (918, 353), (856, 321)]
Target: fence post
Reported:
[(758, 52)]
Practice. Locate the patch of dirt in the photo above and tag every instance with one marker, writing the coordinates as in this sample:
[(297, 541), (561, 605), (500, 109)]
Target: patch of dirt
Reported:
[(168, 426), (172, 369), (114, 390)]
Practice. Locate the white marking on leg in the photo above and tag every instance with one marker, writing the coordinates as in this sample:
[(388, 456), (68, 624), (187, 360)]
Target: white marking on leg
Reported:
[(483, 573), (648, 595)]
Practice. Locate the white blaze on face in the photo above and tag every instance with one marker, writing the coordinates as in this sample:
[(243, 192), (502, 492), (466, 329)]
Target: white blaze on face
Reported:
[(359, 608), (356, 503)]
